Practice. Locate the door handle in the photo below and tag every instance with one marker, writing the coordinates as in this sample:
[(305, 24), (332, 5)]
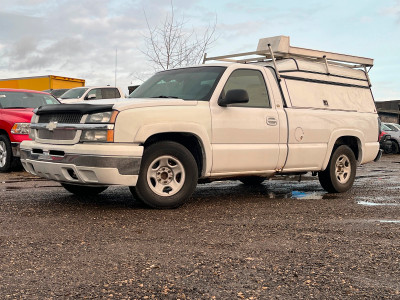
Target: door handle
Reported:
[(271, 121)]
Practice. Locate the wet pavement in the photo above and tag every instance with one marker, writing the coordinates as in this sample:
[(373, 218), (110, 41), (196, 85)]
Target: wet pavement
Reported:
[(283, 239)]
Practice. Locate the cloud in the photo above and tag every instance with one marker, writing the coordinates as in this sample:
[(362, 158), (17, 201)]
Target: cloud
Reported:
[(79, 38), (16, 25), (393, 9)]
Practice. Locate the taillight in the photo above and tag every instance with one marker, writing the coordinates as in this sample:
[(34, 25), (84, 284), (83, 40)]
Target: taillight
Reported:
[(379, 129)]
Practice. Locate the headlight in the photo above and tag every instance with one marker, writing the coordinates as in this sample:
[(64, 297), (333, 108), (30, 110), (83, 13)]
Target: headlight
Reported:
[(20, 128), (97, 136), (100, 135), (103, 117)]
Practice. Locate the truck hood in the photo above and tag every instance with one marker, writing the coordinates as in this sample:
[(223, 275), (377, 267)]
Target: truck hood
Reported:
[(129, 103), (18, 114)]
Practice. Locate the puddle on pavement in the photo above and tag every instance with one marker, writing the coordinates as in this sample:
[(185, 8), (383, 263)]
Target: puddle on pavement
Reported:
[(389, 221), (301, 195), (12, 188), (378, 201), (25, 179), (16, 188), (269, 192), (366, 203)]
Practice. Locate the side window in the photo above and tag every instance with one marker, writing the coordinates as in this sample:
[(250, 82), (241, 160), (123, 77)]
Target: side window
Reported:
[(96, 92), (253, 82), (110, 93)]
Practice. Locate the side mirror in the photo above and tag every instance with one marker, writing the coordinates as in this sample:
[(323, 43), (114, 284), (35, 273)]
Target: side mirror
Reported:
[(91, 96), (234, 97)]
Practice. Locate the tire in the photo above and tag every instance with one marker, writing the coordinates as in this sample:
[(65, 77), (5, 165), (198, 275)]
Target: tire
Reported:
[(136, 198), (168, 175), (82, 190), (6, 156), (393, 149), (340, 173), (388, 149), (252, 180)]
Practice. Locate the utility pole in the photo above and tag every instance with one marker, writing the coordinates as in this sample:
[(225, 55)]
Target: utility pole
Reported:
[(116, 55)]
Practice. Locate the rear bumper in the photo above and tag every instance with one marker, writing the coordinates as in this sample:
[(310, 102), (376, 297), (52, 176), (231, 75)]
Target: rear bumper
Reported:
[(93, 164), (378, 157)]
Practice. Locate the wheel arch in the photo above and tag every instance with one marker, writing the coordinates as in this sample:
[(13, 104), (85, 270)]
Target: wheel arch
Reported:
[(193, 136), (3, 132), (189, 140), (354, 140), (395, 141), (7, 156)]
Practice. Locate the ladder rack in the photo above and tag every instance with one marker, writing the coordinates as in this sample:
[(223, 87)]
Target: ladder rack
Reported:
[(279, 47)]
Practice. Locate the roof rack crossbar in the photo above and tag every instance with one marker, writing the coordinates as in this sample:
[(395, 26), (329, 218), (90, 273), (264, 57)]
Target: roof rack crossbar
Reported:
[(260, 53), (279, 47)]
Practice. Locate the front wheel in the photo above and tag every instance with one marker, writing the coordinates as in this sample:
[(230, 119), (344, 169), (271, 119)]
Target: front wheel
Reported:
[(6, 156), (168, 175), (82, 190), (339, 176)]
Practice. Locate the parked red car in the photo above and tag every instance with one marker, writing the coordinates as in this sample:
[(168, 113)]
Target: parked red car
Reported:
[(385, 142), (16, 110)]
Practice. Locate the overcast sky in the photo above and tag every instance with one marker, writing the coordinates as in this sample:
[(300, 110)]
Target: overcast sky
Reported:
[(79, 38)]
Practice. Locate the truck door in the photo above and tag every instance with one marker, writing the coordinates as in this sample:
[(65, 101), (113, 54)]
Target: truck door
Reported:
[(245, 137)]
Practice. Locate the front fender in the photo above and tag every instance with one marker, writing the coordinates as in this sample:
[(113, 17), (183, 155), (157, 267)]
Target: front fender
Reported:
[(146, 131)]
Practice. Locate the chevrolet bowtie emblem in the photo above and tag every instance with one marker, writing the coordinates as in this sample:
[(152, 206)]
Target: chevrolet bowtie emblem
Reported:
[(52, 125)]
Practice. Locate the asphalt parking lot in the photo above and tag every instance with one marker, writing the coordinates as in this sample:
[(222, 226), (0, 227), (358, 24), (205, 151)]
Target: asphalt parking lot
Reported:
[(283, 239)]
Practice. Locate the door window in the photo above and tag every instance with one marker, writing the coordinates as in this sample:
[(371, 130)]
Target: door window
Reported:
[(251, 81), (110, 93), (96, 92)]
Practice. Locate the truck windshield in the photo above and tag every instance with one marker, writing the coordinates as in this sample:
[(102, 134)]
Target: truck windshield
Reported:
[(196, 83), (25, 100), (74, 93)]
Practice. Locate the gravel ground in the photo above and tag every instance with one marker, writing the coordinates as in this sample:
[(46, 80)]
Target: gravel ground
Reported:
[(283, 239)]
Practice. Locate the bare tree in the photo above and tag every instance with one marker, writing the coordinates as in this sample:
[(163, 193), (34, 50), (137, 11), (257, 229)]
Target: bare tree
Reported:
[(170, 44)]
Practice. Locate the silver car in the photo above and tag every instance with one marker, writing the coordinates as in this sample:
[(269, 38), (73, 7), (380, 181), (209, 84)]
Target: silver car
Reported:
[(394, 131)]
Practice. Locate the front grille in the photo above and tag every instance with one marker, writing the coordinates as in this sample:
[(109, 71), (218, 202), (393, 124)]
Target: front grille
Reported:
[(63, 135), (71, 118)]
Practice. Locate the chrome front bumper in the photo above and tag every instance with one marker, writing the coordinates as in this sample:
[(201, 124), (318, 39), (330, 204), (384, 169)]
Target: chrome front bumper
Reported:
[(93, 164)]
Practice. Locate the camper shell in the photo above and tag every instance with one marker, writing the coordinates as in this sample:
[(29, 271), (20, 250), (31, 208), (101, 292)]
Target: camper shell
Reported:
[(307, 74)]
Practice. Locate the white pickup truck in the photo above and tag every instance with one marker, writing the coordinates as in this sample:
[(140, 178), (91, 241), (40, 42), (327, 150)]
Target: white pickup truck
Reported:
[(280, 110), (85, 93)]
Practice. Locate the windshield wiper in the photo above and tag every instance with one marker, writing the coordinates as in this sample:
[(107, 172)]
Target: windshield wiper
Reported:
[(162, 96)]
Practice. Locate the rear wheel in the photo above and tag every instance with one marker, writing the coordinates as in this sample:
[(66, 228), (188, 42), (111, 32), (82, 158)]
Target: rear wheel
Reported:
[(168, 175), (82, 190), (339, 176), (6, 156)]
